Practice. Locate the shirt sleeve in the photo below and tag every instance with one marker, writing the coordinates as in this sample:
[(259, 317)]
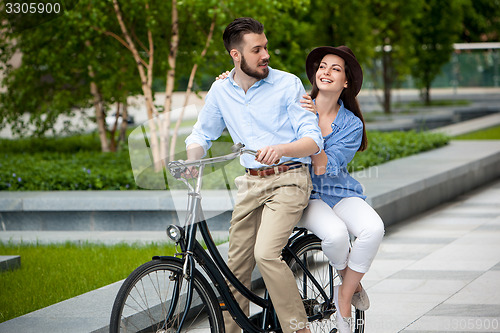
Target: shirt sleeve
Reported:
[(305, 123), (341, 148), (209, 125)]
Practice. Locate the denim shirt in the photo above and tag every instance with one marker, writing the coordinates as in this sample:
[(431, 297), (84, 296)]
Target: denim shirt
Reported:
[(269, 113), (340, 146)]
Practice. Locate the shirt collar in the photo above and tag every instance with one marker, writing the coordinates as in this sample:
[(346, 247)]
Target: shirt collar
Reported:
[(340, 118)]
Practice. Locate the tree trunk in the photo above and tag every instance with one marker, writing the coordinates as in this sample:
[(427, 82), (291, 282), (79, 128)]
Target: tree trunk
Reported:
[(387, 77), (146, 83), (112, 132), (99, 110), (100, 117), (189, 90), (169, 89), (427, 95), (123, 127)]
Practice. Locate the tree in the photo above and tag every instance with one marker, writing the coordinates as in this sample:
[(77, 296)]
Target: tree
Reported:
[(481, 21), (343, 22), (435, 31), (152, 27), (66, 66), (105, 51), (392, 24)]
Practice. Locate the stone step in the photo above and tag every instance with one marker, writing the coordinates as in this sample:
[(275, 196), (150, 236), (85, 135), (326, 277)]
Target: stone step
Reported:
[(9, 263)]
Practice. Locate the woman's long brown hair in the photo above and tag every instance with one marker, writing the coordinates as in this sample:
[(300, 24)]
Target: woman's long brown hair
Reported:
[(347, 96)]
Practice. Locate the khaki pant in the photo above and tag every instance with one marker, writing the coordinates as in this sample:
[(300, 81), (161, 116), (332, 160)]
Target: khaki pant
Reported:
[(266, 211)]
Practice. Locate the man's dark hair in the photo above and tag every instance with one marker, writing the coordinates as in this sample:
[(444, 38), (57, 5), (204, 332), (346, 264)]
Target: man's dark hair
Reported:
[(233, 35)]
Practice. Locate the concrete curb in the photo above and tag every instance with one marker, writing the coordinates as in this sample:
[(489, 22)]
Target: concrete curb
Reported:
[(470, 125), (403, 188)]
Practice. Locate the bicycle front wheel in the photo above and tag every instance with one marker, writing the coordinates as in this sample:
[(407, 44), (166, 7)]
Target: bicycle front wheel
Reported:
[(320, 309), (153, 299)]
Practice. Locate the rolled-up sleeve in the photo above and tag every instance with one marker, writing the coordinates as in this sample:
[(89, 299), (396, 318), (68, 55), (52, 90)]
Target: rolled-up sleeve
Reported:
[(209, 125), (342, 150), (305, 123)]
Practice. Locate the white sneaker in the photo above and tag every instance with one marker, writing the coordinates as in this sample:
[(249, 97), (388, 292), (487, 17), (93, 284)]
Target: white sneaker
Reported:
[(344, 325)]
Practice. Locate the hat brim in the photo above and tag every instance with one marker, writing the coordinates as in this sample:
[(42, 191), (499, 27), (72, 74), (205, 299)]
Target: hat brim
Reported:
[(314, 57)]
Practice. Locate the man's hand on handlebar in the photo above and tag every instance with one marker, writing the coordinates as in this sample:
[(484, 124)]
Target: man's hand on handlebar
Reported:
[(269, 155), (191, 172)]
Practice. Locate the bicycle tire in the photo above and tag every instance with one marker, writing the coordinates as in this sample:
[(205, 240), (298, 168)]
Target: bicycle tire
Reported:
[(321, 319), (145, 298)]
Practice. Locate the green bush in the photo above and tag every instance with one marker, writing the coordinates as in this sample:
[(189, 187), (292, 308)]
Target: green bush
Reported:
[(81, 170), (76, 163), (69, 144), (386, 146)]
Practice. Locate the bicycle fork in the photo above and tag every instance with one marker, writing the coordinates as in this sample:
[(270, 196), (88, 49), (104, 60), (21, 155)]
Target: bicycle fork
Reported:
[(188, 268)]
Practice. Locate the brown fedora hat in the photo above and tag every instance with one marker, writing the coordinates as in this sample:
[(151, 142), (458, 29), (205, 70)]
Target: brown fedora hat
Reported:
[(315, 56)]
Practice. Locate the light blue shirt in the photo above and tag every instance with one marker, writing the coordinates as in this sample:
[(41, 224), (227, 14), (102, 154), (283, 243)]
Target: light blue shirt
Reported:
[(340, 146), (269, 113)]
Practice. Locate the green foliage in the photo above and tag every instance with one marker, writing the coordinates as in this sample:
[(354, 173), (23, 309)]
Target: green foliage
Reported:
[(75, 163), (55, 74), (481, 23), (435, 32), (49, 171), (331, 23), (386, 146), (69, 144), (53, 273), (392, 24)]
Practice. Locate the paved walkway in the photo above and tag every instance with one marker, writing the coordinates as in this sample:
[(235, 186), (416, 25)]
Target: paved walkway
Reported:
[(440, 271), (436, 272)]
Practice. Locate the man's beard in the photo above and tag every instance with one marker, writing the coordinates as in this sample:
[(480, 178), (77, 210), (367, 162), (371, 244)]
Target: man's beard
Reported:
[(255, 74)]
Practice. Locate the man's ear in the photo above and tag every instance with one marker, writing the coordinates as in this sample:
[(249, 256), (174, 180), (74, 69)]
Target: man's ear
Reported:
[(235, 54)]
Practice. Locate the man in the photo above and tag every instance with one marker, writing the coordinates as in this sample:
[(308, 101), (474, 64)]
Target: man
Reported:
[(260, 108)]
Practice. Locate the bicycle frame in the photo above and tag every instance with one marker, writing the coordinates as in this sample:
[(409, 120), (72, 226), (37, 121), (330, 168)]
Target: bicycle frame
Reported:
[(212, 262)]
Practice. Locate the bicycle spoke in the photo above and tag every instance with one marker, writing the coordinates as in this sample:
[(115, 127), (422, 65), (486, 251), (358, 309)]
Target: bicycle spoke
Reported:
[(321, 311), (156, 302)]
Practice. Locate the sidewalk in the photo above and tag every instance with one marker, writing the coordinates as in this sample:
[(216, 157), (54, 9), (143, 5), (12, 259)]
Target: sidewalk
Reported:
[(440, 271)]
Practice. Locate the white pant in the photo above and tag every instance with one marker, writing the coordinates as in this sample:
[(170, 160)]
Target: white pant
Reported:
[(333, 225)]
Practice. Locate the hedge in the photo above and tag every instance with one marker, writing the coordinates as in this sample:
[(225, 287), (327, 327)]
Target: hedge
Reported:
[(76, 163)]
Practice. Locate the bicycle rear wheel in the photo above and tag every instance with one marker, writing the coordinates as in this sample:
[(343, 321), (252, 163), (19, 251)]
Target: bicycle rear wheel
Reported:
[(153, 299), (320, 312)]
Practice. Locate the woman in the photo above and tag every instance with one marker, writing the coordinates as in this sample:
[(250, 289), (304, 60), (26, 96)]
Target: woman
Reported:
[(337, 207)]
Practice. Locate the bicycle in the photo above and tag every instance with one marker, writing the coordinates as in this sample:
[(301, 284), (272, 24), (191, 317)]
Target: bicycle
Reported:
[(170, 294)]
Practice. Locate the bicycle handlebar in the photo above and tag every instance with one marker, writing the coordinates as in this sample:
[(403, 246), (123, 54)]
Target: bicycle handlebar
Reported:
[(176, 168)]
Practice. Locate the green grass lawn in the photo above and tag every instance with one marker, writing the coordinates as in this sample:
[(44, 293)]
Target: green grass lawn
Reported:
[(492, 133), (53, 273)]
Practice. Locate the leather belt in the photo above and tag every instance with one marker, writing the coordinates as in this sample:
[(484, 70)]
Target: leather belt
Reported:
[(277, 169)]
